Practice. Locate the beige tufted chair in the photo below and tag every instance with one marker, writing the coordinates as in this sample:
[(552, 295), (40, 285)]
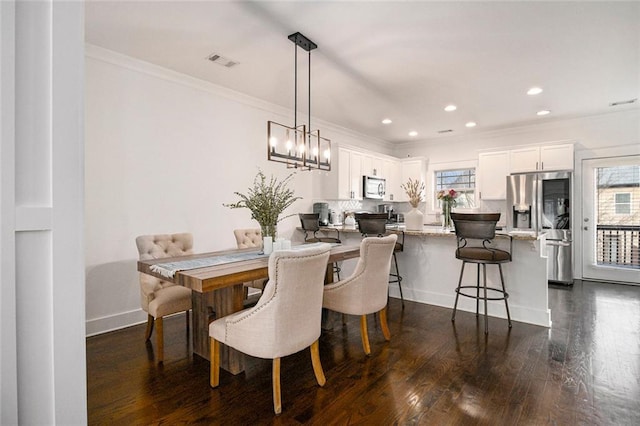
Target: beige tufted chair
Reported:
[(365, 291), (160, 298), (247, 238), (285, 320)]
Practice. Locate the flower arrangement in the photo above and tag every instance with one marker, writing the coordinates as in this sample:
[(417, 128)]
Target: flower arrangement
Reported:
[(448, 196), (414, 190), (266, 200)]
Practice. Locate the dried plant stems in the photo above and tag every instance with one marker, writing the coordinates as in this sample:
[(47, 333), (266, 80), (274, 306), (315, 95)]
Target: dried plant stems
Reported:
[(414, 190)]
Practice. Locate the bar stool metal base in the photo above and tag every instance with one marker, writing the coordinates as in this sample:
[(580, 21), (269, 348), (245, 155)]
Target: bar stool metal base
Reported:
[(503, 295), (397, 278)]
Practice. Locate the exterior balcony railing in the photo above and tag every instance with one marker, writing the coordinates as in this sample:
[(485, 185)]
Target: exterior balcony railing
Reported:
[(618, 245)]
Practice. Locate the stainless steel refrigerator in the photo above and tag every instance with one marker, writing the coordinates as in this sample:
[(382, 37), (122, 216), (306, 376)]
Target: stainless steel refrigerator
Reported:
[(541, 202)]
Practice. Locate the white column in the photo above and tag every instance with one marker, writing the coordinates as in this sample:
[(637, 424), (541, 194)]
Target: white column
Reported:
[(42, 247)]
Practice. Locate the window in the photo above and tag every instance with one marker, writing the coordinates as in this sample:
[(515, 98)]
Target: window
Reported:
[(623, 202), (464, 183)]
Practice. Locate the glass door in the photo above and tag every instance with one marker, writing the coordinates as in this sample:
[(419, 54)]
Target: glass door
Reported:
[(611, 219)]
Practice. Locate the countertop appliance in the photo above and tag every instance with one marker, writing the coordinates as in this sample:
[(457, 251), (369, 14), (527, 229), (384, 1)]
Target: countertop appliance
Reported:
[(323, 210), (541, 202), (373, 187), (386, 208)]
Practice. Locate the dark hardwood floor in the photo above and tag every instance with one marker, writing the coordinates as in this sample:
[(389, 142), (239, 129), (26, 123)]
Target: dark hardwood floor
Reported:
[(584, 370)]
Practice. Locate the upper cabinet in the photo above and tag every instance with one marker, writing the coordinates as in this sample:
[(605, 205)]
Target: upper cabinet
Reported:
[(493, 168), (556, 157), (391, 172), (349, 174), (353, 165), (372, 166), (542, 158)]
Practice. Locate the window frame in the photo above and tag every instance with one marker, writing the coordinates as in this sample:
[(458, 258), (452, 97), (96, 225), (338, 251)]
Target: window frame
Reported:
[(616, 204), (472, 168)]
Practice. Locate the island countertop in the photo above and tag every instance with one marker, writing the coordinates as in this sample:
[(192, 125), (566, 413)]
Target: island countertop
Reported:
[(432, 231)]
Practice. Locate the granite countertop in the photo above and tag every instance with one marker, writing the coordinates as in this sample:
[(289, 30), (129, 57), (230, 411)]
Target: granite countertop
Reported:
[(431, 231)]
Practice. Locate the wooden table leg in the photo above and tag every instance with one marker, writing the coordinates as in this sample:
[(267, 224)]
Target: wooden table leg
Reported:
[(227, 301), (223, 302), (202, 308)]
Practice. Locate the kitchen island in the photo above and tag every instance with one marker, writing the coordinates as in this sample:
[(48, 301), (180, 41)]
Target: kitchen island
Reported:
[(430, 272)]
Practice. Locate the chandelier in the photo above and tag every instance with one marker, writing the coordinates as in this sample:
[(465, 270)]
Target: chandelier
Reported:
[(298, 146)]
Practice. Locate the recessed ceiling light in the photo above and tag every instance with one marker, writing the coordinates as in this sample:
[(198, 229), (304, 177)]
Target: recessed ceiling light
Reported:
[(387, 121), (543, 112), (471, 124), (450, 108), (413, 133), (534, 91)]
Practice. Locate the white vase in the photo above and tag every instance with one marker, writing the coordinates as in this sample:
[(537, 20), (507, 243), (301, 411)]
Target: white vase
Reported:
[(413, 221)]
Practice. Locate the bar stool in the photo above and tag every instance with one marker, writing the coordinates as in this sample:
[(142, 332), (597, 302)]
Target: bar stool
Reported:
[(480, 227), (310, 222), (375, 224)]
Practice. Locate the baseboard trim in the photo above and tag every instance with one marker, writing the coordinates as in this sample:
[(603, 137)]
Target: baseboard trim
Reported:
[(115, 322)]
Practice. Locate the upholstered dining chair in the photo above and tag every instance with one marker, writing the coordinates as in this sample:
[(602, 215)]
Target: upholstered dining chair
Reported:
[(375, 224), (285, 320), (365, 291), (160, 298), (248, 238)]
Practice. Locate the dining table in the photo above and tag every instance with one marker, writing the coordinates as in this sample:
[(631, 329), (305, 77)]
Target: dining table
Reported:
[(216, 280)]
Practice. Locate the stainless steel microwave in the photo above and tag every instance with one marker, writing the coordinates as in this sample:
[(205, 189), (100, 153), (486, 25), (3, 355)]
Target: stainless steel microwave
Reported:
[(373, 187)]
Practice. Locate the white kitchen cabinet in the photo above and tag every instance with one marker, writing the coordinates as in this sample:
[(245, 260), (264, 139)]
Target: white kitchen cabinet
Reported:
[(556, 157), (349, 174), (542, 158), (493, 169), (410, 169), (372, 165), (524, 159), (391, 172)]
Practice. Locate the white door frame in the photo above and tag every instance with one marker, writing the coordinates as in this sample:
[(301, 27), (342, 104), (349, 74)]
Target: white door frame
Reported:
[(42, 302), (589, 232), (580, 156)]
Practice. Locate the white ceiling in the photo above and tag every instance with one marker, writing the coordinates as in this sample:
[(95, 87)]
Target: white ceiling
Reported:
[(405, 60)]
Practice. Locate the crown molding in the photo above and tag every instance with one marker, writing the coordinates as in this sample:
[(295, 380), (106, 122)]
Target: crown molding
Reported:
[(137, 65)]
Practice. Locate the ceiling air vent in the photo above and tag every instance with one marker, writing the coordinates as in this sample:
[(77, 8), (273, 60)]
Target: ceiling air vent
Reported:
[(221, 60), (445, 131), (629, 101)]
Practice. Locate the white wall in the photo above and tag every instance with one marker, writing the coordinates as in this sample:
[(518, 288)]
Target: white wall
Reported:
[(163, 152)]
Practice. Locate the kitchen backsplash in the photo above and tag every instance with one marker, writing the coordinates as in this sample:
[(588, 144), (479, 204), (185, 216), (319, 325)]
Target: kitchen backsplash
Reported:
[(430, 216)]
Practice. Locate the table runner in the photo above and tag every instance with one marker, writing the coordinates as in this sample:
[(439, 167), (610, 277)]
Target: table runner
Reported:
[(170, 268)]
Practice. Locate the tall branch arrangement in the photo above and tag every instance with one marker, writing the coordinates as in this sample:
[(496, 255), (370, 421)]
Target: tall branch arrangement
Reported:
[(414, 190), (266, 200)]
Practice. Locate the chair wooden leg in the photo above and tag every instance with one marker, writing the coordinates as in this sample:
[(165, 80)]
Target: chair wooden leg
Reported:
[(160, 339), (147, 335), (317, 366), (277, 403), (384, 325), (187, 315), (365, 335), (214, 376)]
